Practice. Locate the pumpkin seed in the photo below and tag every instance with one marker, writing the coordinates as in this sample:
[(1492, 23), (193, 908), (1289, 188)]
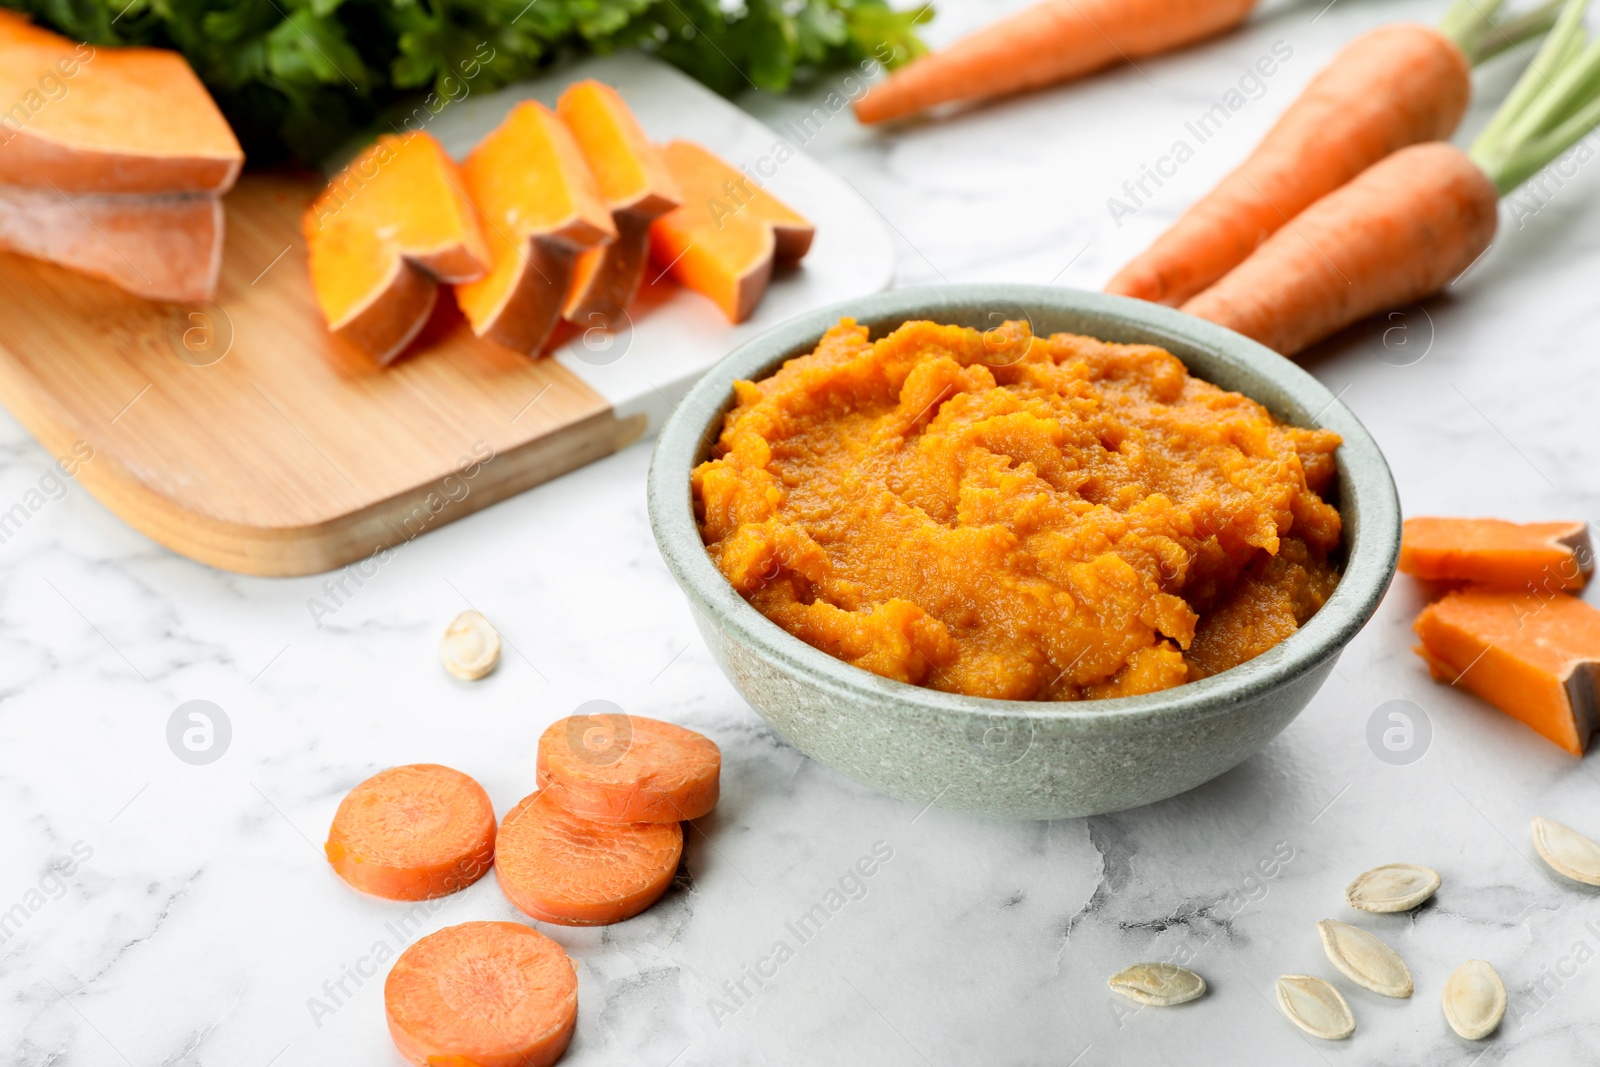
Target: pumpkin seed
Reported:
[(1159, 984), (1364, 959), (1567, 852), (1392, 887), (1474, 1000), (471, 647), (1315, 1007)]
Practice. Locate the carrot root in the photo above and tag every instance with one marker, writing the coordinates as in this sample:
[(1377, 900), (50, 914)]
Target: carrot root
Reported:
[(1402, 230), (1395, 86), (627, 768)]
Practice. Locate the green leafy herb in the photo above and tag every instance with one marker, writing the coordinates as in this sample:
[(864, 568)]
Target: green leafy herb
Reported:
[(298, 77)]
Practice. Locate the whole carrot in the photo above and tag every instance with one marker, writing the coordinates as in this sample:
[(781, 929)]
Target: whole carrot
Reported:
[(1395, 86), (1402, 229), (1048, 43), (1412, 222)]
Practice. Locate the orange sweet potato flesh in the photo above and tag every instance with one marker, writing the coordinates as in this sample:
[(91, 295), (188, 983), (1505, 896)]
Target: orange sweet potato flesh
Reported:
[(482, 994), (106, 120), (391, 226), (562, 868), (637, 187), (1533, 657), (724, 238), (632, 770), (158, 247), (413, 833), (1540, 555), (540, 208)]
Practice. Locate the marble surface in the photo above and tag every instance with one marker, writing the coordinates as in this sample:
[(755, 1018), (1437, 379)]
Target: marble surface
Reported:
[(158, 912)]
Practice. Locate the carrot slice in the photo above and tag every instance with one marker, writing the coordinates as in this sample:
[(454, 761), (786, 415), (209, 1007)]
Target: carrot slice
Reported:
[(482, 994), (413, 833), (1535, 658), (540, 208), (627, 768), (725, 237), (1545, 555), (564, 868), (388, 228), (636, 186)]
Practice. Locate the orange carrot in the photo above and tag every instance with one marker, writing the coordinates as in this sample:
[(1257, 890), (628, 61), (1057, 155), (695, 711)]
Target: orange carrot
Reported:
[(1395, 86), (1536, 658), (1051, 42), (563, 868), (412, 833), (482, 994), (1537, 555), (1401, 230), (628, 768)]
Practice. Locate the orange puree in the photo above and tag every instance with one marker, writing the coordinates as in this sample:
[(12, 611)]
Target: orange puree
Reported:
[(1002, 515)]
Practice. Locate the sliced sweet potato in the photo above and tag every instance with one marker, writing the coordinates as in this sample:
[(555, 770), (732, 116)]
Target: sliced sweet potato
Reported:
[(540, 208), (1545, 555), (482, 994), (563, 868), (413, 833), (106, 120), (157, 247), (632, 770), (634, 182), (386, 231), (723, 239), (1536, 658)]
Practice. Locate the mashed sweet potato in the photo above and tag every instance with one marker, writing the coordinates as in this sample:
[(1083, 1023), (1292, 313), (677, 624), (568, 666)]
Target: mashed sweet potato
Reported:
[(1002, 515)]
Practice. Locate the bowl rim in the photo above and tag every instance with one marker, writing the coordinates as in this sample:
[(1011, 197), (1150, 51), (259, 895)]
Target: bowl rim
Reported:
[(1364, 477)]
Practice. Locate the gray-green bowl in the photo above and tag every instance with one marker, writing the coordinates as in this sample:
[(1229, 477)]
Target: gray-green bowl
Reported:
[(1009, 758)]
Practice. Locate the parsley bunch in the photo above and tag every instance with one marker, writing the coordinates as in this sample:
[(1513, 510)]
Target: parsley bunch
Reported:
[(297, 77)]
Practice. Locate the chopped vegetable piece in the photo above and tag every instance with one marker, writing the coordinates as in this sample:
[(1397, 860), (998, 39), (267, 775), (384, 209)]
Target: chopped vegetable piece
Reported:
[(116, 120), (627, 768), (636, 186), (413, 833), (540, 207), (1544, 555), (564, 868), (386, 231), (1533, 657), (157, 247), (724, 239), (482, 994)]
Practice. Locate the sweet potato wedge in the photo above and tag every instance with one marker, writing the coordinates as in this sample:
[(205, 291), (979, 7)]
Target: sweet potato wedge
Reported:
[(540, 208), (637, 187), (1543, 555), (391, 226), (723, 240), (1536, 658), (82, 119)]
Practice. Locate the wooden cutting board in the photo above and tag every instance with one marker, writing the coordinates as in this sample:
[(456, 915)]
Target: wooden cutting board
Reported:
[(239, 433)]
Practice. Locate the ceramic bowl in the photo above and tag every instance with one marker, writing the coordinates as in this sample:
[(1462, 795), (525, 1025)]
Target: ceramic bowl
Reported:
[(1028, 759)]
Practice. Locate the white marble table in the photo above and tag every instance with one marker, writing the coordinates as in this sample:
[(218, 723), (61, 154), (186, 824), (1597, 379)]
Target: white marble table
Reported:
[(200, 924)]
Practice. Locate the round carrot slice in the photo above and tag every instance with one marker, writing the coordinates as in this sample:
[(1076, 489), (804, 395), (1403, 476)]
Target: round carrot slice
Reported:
[(564, 868), (413, 832), (616, 767), (490, 994)]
